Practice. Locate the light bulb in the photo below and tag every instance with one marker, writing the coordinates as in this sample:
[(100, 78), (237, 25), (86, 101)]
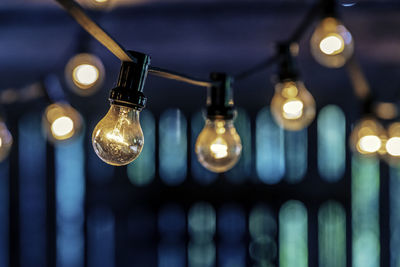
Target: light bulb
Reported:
[(331, 44), (118, 138), (218, 145), (392, 145), (366, 137), (84, 74), (61, 122), (292, 106), (6, 141)]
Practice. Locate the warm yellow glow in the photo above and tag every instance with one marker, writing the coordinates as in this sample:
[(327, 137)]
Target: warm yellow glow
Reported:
[(85, 75), (62, 127), (292, 109), (393, 146), (290, 90), (219, 148), (101, 1), (332, 44), (116, 137), (1, 142), (369, 144)]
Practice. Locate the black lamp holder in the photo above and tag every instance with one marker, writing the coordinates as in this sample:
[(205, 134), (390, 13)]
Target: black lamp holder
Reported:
[(220, 97), (287, 64), (131, 80)]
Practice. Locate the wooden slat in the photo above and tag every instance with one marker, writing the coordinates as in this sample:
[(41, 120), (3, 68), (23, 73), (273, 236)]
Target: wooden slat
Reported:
[(95, 30)]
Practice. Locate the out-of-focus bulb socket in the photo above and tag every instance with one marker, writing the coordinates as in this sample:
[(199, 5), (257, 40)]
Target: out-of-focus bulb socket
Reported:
[(118, 138), (218, 146)]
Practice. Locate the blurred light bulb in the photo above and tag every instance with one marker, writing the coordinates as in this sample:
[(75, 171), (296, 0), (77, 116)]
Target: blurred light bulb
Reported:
[(6, 141), (393, 146), (331, 44), (370, 143), (292, 106), (62, 126), (218, 146), (61, 122), (84, 74), (118, 138), (366, 137)]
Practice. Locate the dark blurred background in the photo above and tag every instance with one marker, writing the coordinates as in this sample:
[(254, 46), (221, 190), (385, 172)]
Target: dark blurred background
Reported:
[(295, 199)]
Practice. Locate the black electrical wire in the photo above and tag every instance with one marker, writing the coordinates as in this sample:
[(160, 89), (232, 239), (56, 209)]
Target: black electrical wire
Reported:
[(257, 68)]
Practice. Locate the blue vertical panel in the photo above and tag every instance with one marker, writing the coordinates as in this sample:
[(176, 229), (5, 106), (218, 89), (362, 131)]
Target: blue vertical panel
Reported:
[(293, 241), (394, 216), (70, 195), (101, 238), (331, 143), (332, 235), (173, 147), (270, 157), (141, 171), (296, 155), (201, 226), (263, 230), (32, 191), (99, 172), (231, 230), (365, 211), (171, 226), (242, 169), (4, 213), (201, 174)]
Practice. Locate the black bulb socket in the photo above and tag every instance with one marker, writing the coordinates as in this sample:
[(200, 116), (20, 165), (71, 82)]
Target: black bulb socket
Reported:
[(287, 64), (220, 97), (132, 76)]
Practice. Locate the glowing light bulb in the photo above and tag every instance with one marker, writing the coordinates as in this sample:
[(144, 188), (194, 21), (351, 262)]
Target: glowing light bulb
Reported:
[(293, 109), (292, 106), (62, 126), (366, 137), (6, 141), (332, 44), (118, 138), (84, 74), (61, 122), (393, 146), (369, 143), (218, 146)]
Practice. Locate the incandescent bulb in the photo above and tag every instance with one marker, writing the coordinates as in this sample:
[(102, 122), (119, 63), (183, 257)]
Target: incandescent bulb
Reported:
[(61, 122), (392, 145), (366, 137), (118, 138), (292, 106), (218, 145), (6, 141), (84, 74), (331, 44)]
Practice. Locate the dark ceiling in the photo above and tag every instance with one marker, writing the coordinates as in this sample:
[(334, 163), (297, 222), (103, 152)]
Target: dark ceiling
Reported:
[(197, 37)]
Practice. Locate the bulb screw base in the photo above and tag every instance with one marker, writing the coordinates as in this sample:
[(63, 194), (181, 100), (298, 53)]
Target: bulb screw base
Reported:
[(131, 80), (220, 97)]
